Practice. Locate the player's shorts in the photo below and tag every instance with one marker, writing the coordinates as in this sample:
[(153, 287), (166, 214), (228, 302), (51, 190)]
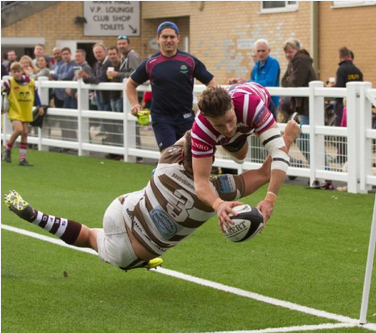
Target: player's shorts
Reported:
[(114, 245), (167, 134)]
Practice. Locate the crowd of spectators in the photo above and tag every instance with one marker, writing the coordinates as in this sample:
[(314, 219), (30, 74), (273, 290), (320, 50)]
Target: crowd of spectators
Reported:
[(118, 62)]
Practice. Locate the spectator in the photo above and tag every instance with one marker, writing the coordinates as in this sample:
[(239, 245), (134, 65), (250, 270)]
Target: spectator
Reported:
[(171, 73), (115, 76), (39, 51), (130, 58), (99, 75), (66, 73), (298, 74), (21, 92), (116, 128), (28, 67), (42, 64), (80, 64), (4, 71), (54, 74), (346, 72), (266, 71), (11, 58)]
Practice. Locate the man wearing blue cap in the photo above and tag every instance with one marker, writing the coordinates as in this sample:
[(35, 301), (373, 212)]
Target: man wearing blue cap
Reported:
[(171, 73)]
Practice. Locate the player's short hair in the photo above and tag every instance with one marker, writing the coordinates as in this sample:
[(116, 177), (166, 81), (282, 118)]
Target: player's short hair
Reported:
[(294, 43), (344, 52), (66, 49), (214, 101), (16, 66)]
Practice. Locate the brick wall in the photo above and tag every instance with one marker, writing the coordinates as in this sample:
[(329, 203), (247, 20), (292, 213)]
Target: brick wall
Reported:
[(56, 23), (353, 27), (216, 30)]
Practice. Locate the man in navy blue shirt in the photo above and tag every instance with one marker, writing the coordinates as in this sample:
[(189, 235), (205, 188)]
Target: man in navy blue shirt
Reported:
[(171, 73)]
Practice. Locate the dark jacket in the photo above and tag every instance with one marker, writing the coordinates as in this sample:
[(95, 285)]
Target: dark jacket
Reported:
[(298, 74), (99, 75)]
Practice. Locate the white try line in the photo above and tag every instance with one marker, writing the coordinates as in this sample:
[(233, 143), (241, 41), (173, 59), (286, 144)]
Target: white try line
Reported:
[(302, 328), (219, 286)]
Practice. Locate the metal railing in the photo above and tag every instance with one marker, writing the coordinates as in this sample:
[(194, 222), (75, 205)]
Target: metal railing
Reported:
[(317, 150)]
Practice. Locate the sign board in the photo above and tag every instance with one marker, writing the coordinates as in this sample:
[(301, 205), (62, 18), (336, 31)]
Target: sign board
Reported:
[(245, 44), (112, 18)]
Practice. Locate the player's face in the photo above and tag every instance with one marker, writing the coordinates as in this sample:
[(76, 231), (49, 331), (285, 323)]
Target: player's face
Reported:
[(290, 52), (168, 41), (226, 124), (16, 74), (262, 52)]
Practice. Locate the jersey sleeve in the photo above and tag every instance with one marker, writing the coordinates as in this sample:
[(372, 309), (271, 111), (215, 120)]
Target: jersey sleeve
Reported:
[(260, 118), (229, 187), (201, 73), (140, 75), (203, 140)]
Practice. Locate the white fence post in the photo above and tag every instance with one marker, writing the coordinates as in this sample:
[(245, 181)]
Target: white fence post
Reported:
[(83, 127), (316, 118), (44, 99), (365, 145), (369, 266), (353, 153)]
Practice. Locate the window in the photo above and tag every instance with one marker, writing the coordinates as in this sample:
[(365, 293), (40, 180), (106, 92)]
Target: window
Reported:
[(341, 4), (278, 6)]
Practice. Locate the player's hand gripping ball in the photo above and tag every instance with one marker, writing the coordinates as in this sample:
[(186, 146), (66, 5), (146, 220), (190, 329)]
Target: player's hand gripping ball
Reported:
[(247, 224)]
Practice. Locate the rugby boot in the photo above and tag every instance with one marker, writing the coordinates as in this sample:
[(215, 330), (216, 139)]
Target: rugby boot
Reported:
[(19, 206)]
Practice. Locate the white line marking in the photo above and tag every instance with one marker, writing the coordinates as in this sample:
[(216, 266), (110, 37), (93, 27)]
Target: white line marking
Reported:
[(215, 285), (293, 328)]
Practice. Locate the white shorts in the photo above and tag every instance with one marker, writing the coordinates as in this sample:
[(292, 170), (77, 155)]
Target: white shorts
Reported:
[(114, 245)]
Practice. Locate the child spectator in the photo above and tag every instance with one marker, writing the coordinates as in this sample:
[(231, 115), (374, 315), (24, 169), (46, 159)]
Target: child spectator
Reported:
[(21, 93)]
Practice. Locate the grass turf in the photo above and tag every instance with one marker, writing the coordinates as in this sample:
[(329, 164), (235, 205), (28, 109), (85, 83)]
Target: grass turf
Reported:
[(312, 252)]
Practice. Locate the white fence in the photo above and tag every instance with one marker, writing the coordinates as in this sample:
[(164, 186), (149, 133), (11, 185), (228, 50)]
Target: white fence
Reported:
[(321, 144)]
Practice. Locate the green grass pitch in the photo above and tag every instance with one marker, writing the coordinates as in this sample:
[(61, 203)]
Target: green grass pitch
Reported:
[(312, 252)]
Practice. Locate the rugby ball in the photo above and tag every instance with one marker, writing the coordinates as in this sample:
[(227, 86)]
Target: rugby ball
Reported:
[(247, 224)]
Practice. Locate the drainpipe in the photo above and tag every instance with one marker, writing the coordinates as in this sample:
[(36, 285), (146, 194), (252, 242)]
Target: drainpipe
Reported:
[(315, 35)]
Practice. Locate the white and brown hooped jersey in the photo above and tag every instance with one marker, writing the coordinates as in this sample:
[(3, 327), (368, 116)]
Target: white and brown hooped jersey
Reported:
[(168, 209)]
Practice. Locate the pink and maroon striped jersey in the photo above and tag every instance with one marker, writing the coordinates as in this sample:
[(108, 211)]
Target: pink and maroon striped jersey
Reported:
[(251, 102)]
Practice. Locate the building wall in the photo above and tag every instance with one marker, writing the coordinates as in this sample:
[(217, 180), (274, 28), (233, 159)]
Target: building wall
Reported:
[(353, 27), (217, 31), (57, 23)]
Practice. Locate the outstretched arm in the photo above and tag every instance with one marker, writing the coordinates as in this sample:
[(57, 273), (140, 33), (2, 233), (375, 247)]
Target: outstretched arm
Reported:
[(254, 179), (204, 191)]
